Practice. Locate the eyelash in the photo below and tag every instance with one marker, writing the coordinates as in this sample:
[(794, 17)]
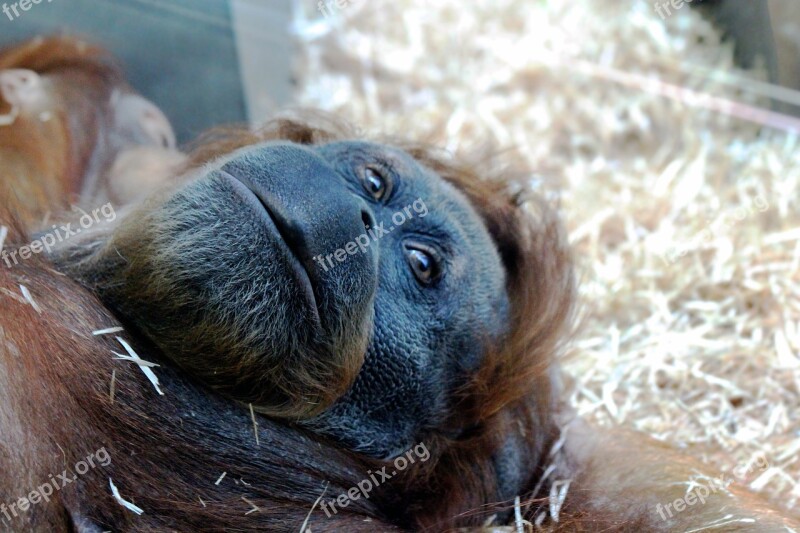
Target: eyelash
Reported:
[(383, 171), (438, 265)]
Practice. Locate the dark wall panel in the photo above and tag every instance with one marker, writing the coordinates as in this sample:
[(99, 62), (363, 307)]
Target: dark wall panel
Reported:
[(179, 53)]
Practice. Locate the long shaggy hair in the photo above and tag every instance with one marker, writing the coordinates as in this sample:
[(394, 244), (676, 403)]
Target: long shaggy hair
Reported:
[(512, 390), (510, 397), (527, 232)]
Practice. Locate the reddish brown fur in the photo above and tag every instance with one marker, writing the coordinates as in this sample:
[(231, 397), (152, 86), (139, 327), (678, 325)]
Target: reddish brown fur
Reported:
[(432, 492), (168, 451)]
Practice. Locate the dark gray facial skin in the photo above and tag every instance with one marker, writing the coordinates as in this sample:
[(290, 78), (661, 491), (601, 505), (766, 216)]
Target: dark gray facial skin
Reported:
[(235, 276), (425, 338)]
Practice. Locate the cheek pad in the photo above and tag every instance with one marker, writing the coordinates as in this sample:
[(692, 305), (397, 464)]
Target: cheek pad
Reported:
[(398, 369)]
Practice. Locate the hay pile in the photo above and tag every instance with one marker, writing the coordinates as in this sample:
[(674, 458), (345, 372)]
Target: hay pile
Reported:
[(685, 218)]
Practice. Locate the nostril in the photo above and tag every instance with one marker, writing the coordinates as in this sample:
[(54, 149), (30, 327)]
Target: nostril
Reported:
[(366, 218)]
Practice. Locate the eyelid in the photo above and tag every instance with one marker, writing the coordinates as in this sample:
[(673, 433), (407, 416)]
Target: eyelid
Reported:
[(432, 242), (423, 246), (434, 251), (386, 172)]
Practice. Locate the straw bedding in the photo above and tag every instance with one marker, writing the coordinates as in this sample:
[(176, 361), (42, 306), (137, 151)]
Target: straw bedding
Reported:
[(680, 194)]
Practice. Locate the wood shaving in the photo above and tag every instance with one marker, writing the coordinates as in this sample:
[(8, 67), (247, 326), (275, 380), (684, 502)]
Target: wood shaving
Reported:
[(684, 216), (108, 331), (120, 500), (26, 294), (142, 364)]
